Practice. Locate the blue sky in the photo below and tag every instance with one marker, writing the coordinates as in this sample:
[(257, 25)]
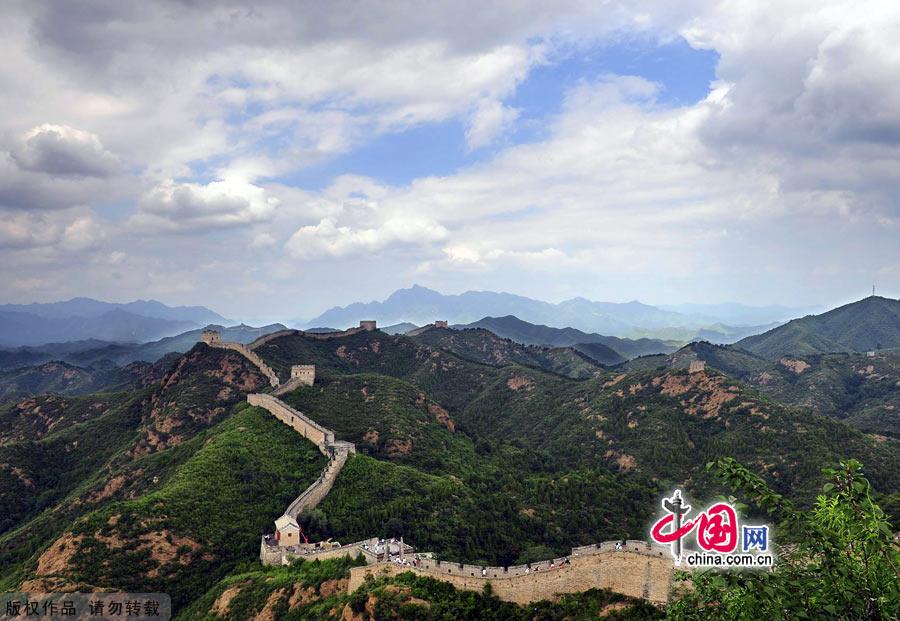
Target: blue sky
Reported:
[(683, 72)]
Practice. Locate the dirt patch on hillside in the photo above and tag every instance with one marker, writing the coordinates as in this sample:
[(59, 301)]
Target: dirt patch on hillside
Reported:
[(797, 366), (268, 611), (615, 380), (222, 605), (371, 437), (442, 416), (112, 486), (626, 462), (396, 447), (19, 474), (520, 382), (330, 587), (709, 392), (56, 558), (301, 595)]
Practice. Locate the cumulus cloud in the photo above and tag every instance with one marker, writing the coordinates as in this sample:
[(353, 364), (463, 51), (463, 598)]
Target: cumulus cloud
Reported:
[(63, 150), (71, 230), (191, 206), (329, 239)]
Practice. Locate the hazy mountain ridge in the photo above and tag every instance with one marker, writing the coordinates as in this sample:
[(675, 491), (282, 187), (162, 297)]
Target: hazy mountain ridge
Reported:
[(420, 305), (91, 351), (85, 318), (89, 307)]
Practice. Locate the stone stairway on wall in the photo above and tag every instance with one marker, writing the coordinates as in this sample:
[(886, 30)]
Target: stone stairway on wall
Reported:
[(337, 451), (289, 386)]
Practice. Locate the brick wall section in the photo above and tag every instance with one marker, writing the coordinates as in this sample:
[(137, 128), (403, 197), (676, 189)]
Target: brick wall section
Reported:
[(288, 386), (271, 337), (308, 428), (315, 493), (638, 570)]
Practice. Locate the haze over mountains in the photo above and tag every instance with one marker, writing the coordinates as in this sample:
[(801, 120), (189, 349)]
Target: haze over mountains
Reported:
[(420, 305), (85, 318)]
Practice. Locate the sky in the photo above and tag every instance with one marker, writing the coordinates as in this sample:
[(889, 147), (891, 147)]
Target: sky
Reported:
[(272, 159)]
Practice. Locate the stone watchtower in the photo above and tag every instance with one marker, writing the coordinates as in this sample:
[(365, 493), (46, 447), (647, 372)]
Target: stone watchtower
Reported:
[(211, 337), (441, 324), (306, 373), (369, 326), (697, 366)]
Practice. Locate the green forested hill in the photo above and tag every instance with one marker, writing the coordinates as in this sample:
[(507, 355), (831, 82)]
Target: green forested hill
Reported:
[(869, 324), (859, 389), (483, 346), (169, 487)]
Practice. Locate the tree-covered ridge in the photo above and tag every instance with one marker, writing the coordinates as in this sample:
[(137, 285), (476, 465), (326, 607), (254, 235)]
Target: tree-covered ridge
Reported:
[(65, 457), (62, 378), (187, 532), (870, 324), (662, 422), (862, 390), (479, 345)]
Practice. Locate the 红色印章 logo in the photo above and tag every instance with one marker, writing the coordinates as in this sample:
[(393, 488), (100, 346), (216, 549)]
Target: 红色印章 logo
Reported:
[(723, 542)]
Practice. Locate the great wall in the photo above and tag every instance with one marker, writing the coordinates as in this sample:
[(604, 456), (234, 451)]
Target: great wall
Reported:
[(633, 568)]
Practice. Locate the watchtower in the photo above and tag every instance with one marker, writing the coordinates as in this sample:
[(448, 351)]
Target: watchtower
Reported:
[(211, 337), (697, 366), (306, 373), (369, 326), (441, 324)]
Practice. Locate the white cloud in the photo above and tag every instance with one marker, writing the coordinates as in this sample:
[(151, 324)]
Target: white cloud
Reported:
[(489, 120), (190, 206), (63, 150), (329, 239)]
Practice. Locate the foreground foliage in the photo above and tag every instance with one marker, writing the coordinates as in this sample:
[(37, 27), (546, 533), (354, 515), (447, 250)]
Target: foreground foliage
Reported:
[(838, 560)]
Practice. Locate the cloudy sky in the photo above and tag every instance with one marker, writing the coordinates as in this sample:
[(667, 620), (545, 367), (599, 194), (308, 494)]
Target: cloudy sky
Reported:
[(271, 159)]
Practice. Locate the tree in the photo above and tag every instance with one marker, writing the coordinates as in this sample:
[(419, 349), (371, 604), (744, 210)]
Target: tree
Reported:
[(837, 560)]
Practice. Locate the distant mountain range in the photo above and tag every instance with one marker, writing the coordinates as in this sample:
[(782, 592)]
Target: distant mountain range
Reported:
[(84, 318), (870, 324), (419, 305), (90, 352)]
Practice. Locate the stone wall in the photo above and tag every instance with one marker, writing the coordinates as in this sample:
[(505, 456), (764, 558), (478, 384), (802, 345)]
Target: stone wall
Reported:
[(321, 336), (638, 570), (315, 493), (308, 428), (271, 337)]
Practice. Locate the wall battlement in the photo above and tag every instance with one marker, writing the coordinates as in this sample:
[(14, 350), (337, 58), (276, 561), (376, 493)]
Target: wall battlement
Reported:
[(270, 337), (637, 570), (299, 422)]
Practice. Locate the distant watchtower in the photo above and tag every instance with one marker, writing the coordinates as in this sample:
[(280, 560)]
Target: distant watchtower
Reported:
[(306, 373), (697, 366), (211, 337), (369, 326), (441, 324)]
